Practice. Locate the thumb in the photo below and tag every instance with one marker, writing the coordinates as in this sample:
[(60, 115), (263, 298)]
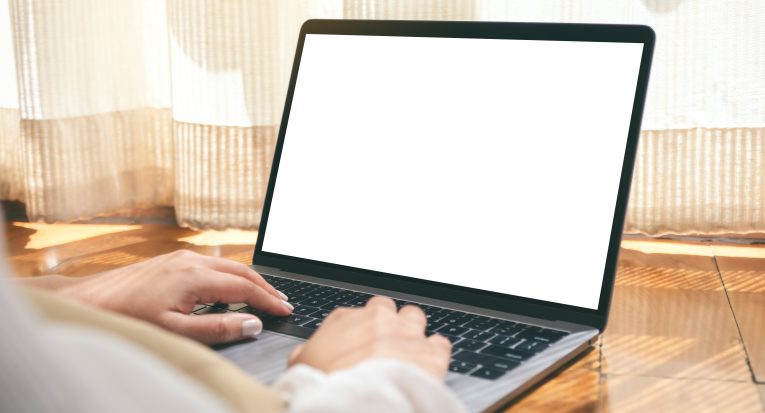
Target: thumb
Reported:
[(214, 328)]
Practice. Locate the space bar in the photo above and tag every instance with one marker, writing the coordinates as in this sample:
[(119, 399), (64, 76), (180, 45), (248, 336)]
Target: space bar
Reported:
[(288, 329)]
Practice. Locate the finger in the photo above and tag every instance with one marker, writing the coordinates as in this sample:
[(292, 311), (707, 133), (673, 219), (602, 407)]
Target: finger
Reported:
[(295, 354), (214, 328), (382, 302), (221, 287), (242, 270), (414, 315), (441, 343)]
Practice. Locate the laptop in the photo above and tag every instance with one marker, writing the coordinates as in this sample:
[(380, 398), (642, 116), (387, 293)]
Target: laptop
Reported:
[(478, 170)]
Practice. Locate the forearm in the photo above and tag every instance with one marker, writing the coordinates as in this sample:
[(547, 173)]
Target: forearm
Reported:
[(50, 282)]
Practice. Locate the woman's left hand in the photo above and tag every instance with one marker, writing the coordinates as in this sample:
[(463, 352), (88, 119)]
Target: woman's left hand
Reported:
[(163, 290)]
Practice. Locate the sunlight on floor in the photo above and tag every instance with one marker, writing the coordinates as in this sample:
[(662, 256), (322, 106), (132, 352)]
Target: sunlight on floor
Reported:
[(667, 247), (682, 248), (227, 237), (50, 235)]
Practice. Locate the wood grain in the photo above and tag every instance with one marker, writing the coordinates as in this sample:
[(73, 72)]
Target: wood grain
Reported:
[(744, 279), (670, 318)]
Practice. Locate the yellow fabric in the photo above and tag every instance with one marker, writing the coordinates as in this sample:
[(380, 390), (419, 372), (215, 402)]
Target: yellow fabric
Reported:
[(195, 360)]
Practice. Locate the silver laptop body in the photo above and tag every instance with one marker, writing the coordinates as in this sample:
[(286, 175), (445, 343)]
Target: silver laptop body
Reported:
[(455, 164)]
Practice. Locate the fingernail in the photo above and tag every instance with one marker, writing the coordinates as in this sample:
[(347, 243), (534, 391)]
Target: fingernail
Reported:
[(281, 294), (288, 305), (251, 327)]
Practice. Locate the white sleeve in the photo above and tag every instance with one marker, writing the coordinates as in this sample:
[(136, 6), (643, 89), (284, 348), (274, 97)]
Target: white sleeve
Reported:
[(377, 385)]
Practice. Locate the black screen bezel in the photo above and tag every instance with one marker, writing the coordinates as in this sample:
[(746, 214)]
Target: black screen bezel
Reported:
[(596, 318)]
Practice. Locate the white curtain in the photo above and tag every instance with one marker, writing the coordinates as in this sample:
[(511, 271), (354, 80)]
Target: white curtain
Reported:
[(700, 161), (112, 104)]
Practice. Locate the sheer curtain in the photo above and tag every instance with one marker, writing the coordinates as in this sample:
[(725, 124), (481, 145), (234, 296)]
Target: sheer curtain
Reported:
[(112, 104)]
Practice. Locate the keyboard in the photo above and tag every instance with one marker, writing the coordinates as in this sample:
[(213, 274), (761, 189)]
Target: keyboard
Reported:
[(483, 347)]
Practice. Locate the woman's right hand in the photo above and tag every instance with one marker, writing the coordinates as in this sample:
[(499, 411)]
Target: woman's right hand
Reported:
[(349, 336)]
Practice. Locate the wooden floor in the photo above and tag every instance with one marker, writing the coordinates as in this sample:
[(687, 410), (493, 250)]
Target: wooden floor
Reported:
[(686, 331)]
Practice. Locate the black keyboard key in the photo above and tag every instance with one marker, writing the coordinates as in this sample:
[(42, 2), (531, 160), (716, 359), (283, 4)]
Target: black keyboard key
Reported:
[(469, 356), (339, 297), (320, 313), (295, 289), (482, 325), (289, 329), (505, 341), (486, 373), (433, 326), (358, 301), (461, 367), (448, 330), (313, 324), (544, 335), (477, 335), (304, 310), (313, 302), (529, 331), (219, 307), (212, 309), (430, 312), (445, 312), (454, 319), (502, 365), (296, 298), (483, 318), (319, 293), (506, 353), (432, 316), (470, 345), (506, 330), (496, 363), (295, 319), (331, 306), (531, 346)]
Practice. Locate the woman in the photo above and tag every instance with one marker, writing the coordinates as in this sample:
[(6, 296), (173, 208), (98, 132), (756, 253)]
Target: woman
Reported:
[(65, 349)]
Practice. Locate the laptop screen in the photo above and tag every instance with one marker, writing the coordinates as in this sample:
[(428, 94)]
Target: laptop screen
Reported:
[(485, 163)]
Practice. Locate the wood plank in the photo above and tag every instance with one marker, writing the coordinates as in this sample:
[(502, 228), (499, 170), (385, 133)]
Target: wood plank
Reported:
[(101, 250), (743, 271), (640, 394), (670, 318), (574, 389)]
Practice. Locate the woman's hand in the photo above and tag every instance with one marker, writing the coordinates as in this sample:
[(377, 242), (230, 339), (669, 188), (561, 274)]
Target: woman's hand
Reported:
[(349, 336), (163, 290)]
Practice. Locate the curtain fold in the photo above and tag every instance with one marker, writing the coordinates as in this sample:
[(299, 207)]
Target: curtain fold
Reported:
[(108, 104), (700, 180), (222, 173), (79, 166), (231, 62), (94, 125)]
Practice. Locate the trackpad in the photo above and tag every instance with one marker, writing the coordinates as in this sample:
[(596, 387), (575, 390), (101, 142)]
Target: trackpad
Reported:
[(264, 357)]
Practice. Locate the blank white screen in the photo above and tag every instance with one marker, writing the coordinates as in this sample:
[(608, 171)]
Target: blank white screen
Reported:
[(485, 163)]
